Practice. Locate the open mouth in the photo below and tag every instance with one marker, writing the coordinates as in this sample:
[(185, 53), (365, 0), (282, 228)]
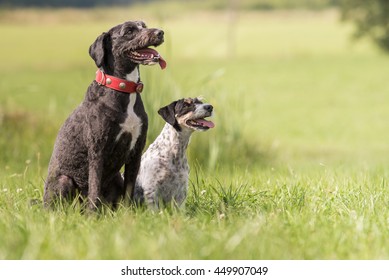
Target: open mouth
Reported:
[(200, 124), (147, 56)]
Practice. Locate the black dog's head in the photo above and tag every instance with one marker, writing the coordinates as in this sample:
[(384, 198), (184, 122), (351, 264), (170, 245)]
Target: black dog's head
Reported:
[(188, 114), (125, 46)]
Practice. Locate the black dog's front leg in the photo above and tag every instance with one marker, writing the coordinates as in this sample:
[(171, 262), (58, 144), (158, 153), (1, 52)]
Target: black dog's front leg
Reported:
[(95, 181), (130, 172), (97, 144), (132, 164)]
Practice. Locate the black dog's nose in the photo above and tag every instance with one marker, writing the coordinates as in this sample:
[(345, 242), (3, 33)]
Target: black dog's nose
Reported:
[(159, 33), (208, 107)]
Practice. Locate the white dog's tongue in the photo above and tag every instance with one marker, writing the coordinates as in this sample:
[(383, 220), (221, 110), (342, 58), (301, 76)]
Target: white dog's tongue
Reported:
[(206, 123)]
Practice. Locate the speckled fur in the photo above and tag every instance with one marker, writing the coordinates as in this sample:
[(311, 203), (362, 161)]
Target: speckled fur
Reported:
[(164, 172), (107, 130)]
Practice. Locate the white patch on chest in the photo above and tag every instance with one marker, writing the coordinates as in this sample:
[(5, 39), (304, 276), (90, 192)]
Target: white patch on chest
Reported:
[(133, 76), (132, 124)]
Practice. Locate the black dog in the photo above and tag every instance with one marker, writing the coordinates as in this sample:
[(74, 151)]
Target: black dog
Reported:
[(108, 130)]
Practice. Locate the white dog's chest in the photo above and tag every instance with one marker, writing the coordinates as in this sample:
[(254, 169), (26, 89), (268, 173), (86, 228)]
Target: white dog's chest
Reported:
[(175, 185), (162, 176)]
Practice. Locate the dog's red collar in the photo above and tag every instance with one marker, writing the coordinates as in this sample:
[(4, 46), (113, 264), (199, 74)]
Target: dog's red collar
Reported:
[(117, 83)]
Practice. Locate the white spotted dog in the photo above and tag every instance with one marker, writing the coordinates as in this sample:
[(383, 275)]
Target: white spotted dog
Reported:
[(164, 172)]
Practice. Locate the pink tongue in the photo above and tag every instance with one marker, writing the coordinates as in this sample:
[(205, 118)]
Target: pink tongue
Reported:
[(206, 123), (161, 61)]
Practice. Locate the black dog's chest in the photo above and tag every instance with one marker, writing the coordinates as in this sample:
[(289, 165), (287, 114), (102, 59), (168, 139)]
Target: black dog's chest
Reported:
[(124, 115), (128, 128), (116, 121), (132, 122)]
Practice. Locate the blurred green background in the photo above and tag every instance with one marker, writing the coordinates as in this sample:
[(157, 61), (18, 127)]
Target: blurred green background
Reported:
[(288, 83)]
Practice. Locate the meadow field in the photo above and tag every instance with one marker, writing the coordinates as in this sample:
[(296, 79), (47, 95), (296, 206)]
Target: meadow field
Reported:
[(297, 166)]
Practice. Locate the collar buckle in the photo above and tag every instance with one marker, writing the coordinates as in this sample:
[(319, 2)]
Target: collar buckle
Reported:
[(139, 87)]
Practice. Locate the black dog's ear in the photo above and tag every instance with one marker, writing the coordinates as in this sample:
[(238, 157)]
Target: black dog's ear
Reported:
[(98, 50), (168, 113)]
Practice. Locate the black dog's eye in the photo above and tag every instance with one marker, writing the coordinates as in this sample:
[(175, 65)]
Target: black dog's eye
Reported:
[(186, 105), (141, 24), (129, 29)]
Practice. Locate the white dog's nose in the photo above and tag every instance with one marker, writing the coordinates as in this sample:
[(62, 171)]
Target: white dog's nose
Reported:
[(208, 107)]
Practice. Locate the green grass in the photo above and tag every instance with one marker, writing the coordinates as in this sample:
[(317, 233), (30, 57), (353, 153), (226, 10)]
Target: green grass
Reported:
[(296, 167)]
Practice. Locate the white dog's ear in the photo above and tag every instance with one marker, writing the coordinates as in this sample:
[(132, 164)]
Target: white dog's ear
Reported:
[(168, 113)]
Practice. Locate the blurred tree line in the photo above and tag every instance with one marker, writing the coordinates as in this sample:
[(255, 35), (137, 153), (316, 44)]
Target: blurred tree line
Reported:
[(245, 4), (65, 3), (371, 17)]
